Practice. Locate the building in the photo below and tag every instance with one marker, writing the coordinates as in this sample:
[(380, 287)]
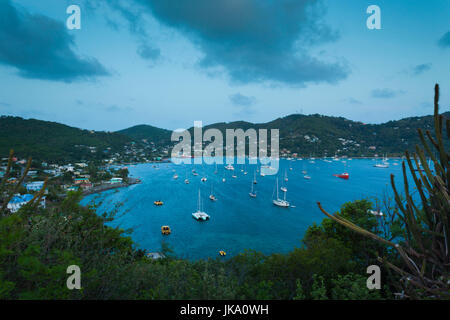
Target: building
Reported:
[(86, 186), (18, 201), (34, 186), (81, 180), (115, 180)]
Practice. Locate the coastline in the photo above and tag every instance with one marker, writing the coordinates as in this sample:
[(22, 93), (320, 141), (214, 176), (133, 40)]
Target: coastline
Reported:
[(106, 187)]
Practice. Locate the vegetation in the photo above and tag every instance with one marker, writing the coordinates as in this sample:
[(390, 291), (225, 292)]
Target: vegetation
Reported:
[(306, 135), (160, 137), (411, 240), (50, 141), (424, 243)]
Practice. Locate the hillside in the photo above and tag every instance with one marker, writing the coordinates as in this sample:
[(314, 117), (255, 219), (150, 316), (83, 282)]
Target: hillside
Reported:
[(51, 141), (151, 134), (322, 135), (303, 134)]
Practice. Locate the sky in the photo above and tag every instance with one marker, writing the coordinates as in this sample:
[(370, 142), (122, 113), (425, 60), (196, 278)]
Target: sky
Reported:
[(168, 63)]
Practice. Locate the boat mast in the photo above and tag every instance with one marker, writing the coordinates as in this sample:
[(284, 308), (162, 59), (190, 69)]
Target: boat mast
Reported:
[(278, 198)]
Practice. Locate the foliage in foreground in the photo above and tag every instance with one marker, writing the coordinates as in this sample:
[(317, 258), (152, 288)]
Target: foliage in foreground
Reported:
[(36, 247), (425, 239)]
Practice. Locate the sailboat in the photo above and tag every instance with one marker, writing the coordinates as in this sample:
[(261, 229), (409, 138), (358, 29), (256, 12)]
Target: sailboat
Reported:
[(212, 197), (252, 193), (229, 167), (281, 202), (285, 176), (383, 164), (254, 179), (283, 187), (199, 215)]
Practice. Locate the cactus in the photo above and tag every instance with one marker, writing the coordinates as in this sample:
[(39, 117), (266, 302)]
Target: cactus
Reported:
[(424, 247)]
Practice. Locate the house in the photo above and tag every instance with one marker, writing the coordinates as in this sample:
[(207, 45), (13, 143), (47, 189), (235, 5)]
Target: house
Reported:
[(34, 186), (72, 188), (86, 185), (81, 180), (115, 180), (32, 173), (18, 201)]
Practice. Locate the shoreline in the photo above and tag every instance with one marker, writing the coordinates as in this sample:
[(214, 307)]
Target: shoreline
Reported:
[(105, 187)]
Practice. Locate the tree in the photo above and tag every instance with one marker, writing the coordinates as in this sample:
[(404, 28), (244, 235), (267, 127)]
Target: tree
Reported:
[(425, 242)]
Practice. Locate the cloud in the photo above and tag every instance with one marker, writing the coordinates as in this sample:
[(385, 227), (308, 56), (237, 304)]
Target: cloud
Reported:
[(241, 100), (386, 93), (115, 108), (41, 48), (5, 104), (421, 68), (353, 101), (253, 40), (444, 42), (148, 53)]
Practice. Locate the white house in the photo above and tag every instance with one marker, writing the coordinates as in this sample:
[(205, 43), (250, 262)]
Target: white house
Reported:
[(115, 180), (34, 186), (18, 201)]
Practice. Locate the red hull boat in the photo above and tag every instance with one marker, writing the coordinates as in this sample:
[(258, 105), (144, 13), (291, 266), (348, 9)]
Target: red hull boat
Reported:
[(344, 175)]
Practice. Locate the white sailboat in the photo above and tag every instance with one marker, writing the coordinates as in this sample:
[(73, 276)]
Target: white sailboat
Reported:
[(229, 167), (281, 202), (383, 164), (252, 193), (200, 215), (212, 197), (254, 179)]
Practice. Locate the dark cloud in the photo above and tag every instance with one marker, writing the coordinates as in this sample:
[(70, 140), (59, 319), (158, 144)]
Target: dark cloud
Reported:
[(444, 42), (41, 48), (253, 40), (421, 68), (149, 53), (386, 93), (241, 100)]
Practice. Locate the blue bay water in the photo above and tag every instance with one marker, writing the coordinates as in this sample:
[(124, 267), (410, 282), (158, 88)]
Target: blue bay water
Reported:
[(238, 222)]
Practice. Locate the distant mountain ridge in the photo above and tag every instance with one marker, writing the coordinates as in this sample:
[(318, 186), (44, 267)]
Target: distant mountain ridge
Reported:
[(150, 133), (51, 141), (303, 134), (324, 135)]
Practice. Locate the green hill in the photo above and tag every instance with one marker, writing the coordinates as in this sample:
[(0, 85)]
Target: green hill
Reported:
[(303, 134), (323, 135), (160, 137), (51, 141)]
